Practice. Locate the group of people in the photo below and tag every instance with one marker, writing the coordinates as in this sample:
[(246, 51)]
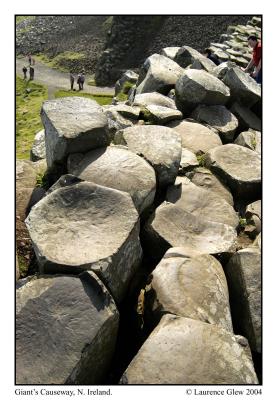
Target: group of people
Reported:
[(31, 62), (254, 66), (80, 80)]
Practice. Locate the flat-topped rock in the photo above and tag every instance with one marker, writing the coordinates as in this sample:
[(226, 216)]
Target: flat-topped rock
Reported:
[(243, 273), (195, 137), (160, 115), (192, 287), (205, 179), (64, 324), (196, 87), (124, 110), (219, 118), (247, 119), (200, 202), (158, 74), (158, 99), (186, 56), (171, 226), (170, 52), (244, 89), (72, 124), (184, 351), (87, 227), (238, 166), (119, 169), (159, 145)]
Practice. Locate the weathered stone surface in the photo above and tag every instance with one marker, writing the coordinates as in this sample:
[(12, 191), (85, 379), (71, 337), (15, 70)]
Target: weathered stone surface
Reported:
[(192, 287), (195, 137), (247, 119), (66, 329), (219, 118), (222, 68), (199, 87), (172, 226), (188, 161), (188, 56), (119, 169), (159, 74), (124, 110), (72, 124), (200, 202), (253, 218), (184, 351), (160, 115), (258, 241), (243, 88), (158, 99), (170, 52), (250, 139), (117, 121), (87, 227), (159, 145), (238, 166), (38, 151), (205, 179), (129, 77), (243, 273)]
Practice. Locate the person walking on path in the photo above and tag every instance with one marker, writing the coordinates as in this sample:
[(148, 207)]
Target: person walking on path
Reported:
[(32, 72), (71, 76), (82, 80), (79, 81), (29, 59), (24, 69), (256, 60)]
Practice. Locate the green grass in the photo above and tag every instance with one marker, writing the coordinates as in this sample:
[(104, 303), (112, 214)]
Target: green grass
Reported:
[(56, 61), (101, 99), (20, 18), (28, 121)]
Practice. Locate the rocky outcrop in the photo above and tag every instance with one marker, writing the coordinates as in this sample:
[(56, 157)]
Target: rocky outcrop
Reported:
[(64, 224), (38, 151), (66, 330), (181, 344)]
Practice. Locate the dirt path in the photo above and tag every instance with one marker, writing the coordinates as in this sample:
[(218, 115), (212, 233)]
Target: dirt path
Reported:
[(54, 79)]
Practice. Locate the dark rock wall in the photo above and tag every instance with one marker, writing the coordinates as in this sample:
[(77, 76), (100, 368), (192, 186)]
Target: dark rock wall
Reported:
[(134, 38)]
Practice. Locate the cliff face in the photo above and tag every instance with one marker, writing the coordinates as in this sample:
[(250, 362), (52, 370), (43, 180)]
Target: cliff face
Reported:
[(134, 38)]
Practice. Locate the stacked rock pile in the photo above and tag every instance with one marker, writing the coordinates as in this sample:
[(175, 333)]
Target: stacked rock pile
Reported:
[(174, 172)]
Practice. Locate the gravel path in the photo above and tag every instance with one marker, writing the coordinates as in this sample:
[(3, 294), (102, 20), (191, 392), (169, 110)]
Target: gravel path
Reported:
[(55, 80)]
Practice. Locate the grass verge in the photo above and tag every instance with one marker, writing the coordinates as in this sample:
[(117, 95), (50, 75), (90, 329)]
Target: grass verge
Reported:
[(101, 99), (29, 98)]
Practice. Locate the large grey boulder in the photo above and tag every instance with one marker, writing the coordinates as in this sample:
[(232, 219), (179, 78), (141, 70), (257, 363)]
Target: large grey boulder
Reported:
[(124, 110), (192, 287), (119, 169), (250, 139), (171, 226), (158, 99), (199, 87), (158, 74), (125, 82), (200, 202), (243, 273), (205, 179), (185, 351), (66, 330), (159, 115), (247, 119), (87, 227), (186, 56), (38, 151), (170, 52), (238, 166), (195, 137), (219, 118), (244, 89), (72, 125), (221, 69), (159, 145)]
